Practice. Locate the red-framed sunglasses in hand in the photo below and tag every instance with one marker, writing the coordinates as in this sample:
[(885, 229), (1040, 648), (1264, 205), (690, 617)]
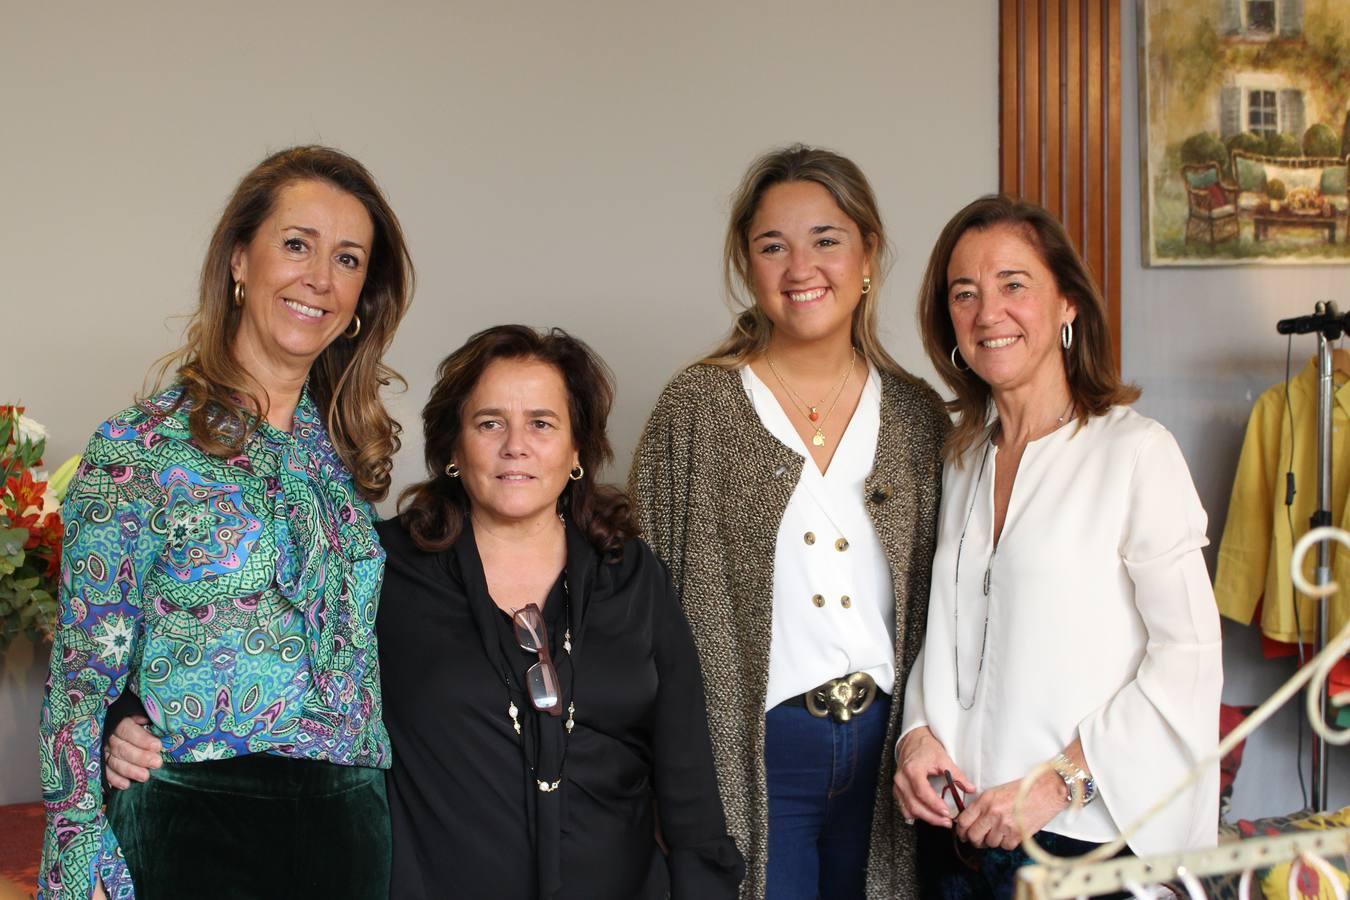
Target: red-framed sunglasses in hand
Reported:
[(968, 855)]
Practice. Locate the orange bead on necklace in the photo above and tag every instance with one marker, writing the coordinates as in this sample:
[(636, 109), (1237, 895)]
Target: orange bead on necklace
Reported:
[(812, 412)]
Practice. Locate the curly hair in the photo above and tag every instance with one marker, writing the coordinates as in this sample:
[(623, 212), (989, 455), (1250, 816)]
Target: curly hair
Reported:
[(225, 403), (433, 511)]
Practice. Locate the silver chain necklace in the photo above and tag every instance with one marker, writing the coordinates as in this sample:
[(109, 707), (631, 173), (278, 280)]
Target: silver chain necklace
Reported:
[(988, 572), (956, 635)]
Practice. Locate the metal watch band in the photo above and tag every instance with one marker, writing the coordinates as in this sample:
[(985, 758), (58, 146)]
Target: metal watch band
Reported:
[(1070, 773)]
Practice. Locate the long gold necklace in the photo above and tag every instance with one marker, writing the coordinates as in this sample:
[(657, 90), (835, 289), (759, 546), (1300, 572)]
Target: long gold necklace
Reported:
[(812, 413)]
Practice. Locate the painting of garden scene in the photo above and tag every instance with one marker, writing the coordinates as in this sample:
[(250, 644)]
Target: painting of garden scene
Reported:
[(1245, 131)]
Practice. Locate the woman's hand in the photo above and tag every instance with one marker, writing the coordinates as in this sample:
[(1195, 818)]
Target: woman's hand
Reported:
[(988, 819), (130, 753), (98, 891), (922, 755)]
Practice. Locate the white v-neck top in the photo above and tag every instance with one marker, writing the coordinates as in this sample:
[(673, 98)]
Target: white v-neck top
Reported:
[(1101, 626), (833, 602)]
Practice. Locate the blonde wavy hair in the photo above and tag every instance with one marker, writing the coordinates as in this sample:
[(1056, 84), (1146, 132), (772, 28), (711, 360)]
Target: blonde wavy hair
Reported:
[(225, 403), (850, 189)]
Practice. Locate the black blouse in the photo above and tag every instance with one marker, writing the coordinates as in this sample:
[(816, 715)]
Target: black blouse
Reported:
[(468, 819)]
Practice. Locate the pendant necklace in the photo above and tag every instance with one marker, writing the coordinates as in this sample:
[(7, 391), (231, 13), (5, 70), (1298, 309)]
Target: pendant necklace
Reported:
[(812, 413), (513, 711)]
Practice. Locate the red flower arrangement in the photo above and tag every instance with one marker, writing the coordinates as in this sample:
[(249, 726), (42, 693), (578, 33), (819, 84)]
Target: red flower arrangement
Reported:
[(30, 529)]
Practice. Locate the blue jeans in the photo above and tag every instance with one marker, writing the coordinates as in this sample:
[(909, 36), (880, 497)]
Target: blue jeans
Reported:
[(822, 783)]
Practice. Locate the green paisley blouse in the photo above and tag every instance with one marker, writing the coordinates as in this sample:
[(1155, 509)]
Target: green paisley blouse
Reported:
[(236, 597)]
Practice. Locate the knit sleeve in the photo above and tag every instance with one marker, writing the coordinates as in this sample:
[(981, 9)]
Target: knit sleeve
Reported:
[(659, 480), (703, 858)]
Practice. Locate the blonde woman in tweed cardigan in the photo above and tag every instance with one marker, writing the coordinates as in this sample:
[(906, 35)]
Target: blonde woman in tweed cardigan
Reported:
[(790, 483)]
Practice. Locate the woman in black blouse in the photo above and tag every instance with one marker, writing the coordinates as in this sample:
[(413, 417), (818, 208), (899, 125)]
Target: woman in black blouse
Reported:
[(512, 516), (520, 774)]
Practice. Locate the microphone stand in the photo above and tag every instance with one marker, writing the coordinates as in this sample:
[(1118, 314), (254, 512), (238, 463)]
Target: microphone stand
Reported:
[(1329, 325)]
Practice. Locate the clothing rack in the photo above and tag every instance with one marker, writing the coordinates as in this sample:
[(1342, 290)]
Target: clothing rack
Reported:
[(1329, 325), (1056, 877)]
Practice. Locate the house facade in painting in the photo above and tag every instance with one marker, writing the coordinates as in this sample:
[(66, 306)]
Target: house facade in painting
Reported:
[(1245, 130)]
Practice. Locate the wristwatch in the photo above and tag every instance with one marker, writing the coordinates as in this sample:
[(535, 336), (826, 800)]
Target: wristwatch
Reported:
[(1070, 773)]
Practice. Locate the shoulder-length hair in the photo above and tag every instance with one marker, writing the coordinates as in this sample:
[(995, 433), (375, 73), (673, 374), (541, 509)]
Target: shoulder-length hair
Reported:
[(225, 403), (1094, 384), (851, 191), (433, 511)]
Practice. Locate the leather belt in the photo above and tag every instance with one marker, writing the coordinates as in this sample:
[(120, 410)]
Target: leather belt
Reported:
[(841, 698)]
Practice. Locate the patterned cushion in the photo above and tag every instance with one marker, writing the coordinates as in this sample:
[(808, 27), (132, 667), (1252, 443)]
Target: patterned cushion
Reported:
[(1310, 884)]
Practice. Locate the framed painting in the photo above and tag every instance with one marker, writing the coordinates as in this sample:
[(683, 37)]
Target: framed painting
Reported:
[(1244, 110)]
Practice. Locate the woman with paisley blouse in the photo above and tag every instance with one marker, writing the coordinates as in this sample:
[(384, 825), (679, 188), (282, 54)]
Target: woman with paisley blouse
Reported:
[(220, 563)]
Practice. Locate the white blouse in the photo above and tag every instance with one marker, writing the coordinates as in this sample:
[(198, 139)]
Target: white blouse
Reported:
[(1101, 625), (833, 602)]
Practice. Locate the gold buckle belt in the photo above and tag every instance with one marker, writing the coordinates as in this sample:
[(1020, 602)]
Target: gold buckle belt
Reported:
[(842, 698)]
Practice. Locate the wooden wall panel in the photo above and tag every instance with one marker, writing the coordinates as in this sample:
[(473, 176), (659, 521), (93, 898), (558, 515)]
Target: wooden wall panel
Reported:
[(1059, 124)]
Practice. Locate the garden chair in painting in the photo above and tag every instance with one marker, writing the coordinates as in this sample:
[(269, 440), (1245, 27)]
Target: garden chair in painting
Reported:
[(1212, 215)]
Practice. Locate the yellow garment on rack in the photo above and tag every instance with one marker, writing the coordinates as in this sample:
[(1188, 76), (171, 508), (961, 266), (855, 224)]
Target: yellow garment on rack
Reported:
[(1257, 543)]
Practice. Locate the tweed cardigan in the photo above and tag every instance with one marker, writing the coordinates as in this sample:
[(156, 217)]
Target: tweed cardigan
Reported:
[(711, 485)]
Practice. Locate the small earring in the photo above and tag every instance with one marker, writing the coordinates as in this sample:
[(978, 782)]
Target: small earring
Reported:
[(1066, 335), (452, 470), (238, 293), (351, 333), (956, 365), (576, 473), (867, 285)]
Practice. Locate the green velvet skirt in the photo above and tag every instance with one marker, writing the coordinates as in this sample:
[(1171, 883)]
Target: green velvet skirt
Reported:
[(255, 827)]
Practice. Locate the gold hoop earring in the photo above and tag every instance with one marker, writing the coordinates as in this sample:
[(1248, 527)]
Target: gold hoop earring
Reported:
[(867, 285), (238, 293), (576, 473), (351, 333), (452, 470)]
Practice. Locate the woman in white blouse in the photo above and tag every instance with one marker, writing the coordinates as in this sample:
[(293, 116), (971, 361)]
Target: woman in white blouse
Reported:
[(790, 483), (1071, 616)]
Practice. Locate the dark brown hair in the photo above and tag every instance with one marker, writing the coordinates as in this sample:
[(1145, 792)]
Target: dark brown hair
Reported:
[(433, 511), (225, 402), (853, 194), (1090, 365)]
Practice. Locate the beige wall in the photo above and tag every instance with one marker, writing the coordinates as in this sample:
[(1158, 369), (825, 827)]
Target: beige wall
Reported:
[(553, 163)]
